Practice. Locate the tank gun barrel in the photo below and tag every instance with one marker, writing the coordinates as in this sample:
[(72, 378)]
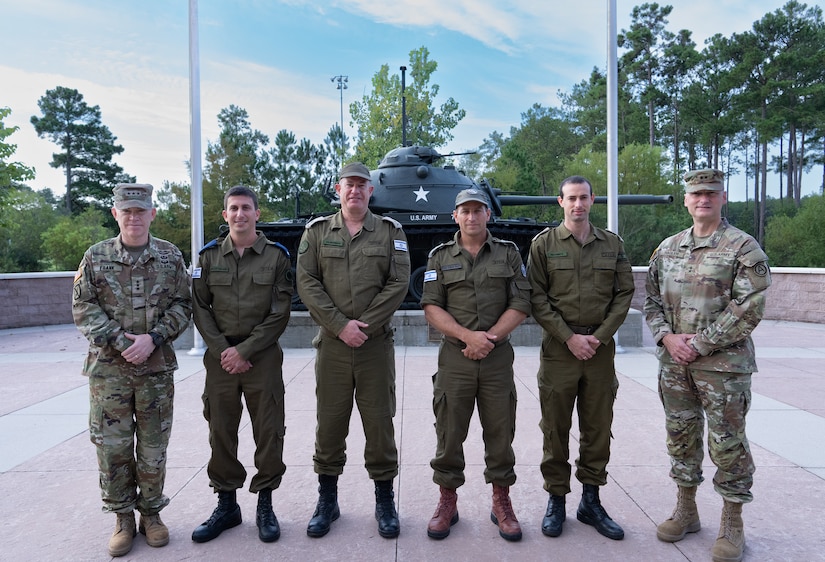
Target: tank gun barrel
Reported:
[(510, 200)]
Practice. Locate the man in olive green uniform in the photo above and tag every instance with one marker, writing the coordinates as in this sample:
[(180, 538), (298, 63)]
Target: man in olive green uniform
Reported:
[(582, 287), (353, 274), (475, 294), (131, 300), (705, 295), (243, 293)]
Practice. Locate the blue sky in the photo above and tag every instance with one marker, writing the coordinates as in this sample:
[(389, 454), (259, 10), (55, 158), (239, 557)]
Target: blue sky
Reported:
[(276, 58)]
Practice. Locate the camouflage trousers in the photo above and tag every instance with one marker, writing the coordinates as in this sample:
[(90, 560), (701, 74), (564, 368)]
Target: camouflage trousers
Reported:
[(130, 422), (690, 395)]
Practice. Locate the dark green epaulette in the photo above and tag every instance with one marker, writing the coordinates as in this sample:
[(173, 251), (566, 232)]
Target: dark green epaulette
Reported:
[(316, 220), (212, 244), (439, 247)]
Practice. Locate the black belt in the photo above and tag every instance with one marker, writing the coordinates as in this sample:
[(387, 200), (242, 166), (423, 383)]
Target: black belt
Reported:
[(235, 340), (583, 330)]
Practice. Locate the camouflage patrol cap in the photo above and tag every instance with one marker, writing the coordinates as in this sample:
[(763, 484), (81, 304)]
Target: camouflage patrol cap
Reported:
[(707, 179), (472, 194), (128, 195), (355, 169)]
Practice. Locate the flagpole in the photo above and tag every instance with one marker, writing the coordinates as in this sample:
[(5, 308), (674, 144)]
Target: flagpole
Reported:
[(198, 347)]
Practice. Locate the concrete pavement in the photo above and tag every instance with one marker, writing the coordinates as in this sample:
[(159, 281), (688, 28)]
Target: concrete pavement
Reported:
[(50, 506)]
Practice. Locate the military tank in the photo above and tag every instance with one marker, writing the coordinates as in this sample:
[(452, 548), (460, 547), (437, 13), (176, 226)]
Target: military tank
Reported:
[(412, 189)]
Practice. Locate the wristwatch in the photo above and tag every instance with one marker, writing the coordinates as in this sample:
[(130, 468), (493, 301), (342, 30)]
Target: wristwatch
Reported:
[(157, 339)]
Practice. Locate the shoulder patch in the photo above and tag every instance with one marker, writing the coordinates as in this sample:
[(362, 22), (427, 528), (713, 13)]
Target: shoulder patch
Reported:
[(394, 222), (211, 244), (316, 220)]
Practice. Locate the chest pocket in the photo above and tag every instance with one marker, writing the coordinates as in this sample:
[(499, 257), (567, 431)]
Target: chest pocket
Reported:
[(559, 264), (452, 276), (219, 278), (264, 278), (604, 275), (333, 252), (499, 271), (375, 251)]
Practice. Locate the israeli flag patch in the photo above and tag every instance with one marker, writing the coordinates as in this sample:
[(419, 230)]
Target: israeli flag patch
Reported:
[(196, 273), (400, 245), (430, 275)]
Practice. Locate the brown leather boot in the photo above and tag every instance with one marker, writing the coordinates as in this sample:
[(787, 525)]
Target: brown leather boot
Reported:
[(125, 531), (730, 545), (157, 534), (445, 516), (503, 515), (685, 518)]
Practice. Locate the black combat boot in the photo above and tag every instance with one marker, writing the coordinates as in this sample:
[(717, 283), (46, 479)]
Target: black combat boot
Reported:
[(268, 528), (591, 512), (225, 516), (327, 509), (554, 517), (388, 524)]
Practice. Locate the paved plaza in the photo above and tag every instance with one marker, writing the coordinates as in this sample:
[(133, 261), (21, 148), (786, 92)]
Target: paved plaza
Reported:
[(50, 503)]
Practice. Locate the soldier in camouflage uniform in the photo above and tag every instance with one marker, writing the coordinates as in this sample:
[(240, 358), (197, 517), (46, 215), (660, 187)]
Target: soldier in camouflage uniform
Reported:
[(705, 295), (353, 274), (475, 293), (131, 300), (582, 286)]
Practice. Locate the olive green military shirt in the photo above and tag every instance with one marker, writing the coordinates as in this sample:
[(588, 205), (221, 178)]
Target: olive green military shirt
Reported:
[(575, 284), (715, 289), (476, 292), (248, 297), (363, 277), (114, 295)]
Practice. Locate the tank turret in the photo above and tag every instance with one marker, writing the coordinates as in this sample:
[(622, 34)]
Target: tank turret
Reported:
[(420, 195)]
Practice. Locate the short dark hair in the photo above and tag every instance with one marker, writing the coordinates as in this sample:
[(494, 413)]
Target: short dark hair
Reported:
[(241, 191), (576, 180)]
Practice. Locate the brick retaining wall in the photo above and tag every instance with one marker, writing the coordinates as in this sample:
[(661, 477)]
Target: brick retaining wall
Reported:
[(796, 294), (42, 299)]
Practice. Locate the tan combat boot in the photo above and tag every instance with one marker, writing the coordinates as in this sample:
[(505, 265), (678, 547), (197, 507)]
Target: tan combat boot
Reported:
[(730, 544), (156, 532), (685, 518), (445, 516), (121, 541), (503, 515)]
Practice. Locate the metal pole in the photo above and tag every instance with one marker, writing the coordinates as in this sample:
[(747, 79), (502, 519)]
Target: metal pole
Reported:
[(612, 121), (612, 131), (342, 85), (198, 347)]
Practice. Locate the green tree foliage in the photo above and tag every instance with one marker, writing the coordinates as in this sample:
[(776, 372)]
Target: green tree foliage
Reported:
[(796, 241), (26, 214), (65, 242), (646, 42), (173, 221), (378, 116), (88, 148), (11, 173)]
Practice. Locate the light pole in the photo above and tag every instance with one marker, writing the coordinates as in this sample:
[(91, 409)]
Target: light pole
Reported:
[(342, 85)]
